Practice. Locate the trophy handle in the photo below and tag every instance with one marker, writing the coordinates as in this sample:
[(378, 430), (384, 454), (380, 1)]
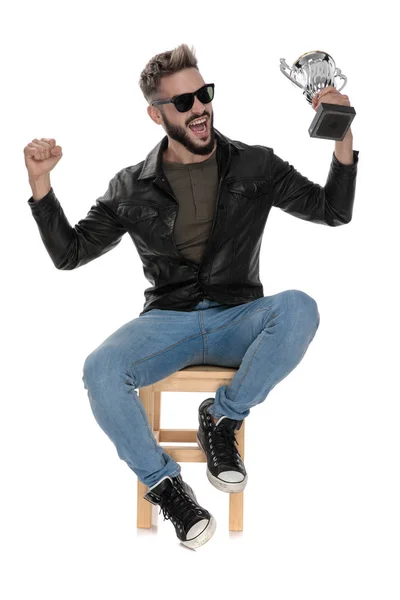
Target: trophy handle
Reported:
[(338, 73), (284, 66)]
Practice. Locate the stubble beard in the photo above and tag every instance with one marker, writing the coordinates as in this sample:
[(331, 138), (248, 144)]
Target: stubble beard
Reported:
[(180, 135)]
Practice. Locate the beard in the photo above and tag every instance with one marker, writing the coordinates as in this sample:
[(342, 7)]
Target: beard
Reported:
[(180, 134)]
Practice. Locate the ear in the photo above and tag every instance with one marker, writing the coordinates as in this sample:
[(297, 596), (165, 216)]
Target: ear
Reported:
[(154, 114)]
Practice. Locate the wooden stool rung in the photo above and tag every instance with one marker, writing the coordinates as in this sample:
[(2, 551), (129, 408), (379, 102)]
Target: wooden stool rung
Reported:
[(178, 435), (185, 453)]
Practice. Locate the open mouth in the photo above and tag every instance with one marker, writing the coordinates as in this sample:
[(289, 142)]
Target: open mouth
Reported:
[(199, 127)]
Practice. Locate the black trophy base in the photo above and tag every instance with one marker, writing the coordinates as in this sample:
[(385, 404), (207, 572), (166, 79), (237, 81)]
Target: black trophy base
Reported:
[(331, 121)]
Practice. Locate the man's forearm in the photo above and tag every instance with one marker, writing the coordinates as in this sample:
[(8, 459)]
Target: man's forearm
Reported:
[(40, 187), (344, 149)]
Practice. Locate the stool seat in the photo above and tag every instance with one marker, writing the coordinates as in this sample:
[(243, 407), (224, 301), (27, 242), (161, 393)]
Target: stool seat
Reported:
[(196, 378)]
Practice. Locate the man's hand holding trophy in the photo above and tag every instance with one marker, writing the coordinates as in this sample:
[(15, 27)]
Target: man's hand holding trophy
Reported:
[(315, 73), (330, 95)]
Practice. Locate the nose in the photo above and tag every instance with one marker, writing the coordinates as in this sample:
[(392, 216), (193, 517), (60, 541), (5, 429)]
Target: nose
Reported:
[(198, 107)]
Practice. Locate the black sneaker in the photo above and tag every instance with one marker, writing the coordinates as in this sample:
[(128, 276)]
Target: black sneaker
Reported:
[(193, 524), (225, 468)]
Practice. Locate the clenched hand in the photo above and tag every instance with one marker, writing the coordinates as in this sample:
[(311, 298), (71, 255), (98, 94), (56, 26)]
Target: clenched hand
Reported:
[(41, 156)]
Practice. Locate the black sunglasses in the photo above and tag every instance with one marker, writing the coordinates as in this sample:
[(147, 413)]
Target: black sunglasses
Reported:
[(184, 102)]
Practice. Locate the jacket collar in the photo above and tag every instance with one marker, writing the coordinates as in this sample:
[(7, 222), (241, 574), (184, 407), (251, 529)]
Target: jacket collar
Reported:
[(153, 163)]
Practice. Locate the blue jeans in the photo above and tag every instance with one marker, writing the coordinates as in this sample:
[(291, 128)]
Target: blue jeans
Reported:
[(264, 339)]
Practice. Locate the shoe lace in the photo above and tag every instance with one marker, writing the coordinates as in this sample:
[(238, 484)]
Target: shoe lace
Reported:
[(224, 442), (177, 505)]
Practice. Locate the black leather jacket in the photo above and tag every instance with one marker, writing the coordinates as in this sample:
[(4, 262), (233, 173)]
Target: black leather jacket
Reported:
[(140, 201)]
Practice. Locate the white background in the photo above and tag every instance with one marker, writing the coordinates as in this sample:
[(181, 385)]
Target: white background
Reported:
[(322, 503)]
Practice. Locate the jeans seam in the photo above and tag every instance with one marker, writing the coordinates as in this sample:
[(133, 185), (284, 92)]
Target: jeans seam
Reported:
[(196, 335), (165, 349), (151, 435), (238, 320), (204, 335), (248, 366), (253, 355)]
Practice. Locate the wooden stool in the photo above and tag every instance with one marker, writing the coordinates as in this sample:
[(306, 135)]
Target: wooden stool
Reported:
[(199, 378)]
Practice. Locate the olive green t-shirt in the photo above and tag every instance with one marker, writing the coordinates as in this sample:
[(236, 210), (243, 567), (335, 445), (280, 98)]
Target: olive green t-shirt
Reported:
[(195, 189)]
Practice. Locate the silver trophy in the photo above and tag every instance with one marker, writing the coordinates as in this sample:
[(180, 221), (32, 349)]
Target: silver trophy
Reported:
[(312, 72)]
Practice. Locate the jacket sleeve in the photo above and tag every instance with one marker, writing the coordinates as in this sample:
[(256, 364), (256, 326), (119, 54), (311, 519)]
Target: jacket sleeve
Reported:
[(329, 205), (94, 235)]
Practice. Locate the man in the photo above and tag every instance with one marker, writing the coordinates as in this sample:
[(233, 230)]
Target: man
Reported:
[(195, 209)]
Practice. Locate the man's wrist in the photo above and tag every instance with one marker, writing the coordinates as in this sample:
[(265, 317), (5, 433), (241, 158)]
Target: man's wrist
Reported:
[(344, 149), (40, 186)]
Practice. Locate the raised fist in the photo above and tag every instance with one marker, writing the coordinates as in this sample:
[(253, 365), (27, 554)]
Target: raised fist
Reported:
[(41, 156)]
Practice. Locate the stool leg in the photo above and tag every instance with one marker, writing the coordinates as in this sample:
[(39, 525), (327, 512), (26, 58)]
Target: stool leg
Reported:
[(144, 508), (236, 500), (157, 410)]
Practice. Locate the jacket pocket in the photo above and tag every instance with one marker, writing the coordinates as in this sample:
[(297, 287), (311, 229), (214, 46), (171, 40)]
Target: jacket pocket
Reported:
[(136, 212), (251, 188)]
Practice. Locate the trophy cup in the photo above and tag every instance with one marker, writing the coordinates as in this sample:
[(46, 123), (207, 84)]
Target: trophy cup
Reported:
[(312, 72)]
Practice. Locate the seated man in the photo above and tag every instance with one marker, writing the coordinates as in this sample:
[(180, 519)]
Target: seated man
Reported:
[(195, 209)]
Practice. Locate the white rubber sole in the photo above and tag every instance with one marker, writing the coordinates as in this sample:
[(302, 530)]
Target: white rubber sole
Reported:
[(223, 486), (202, 537)]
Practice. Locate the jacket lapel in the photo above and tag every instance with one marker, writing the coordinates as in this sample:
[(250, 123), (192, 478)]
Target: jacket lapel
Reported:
[(152, 167)]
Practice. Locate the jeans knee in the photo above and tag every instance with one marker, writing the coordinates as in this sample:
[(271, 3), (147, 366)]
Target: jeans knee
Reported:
[(307, 306), (106, 366), (92, 367)]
